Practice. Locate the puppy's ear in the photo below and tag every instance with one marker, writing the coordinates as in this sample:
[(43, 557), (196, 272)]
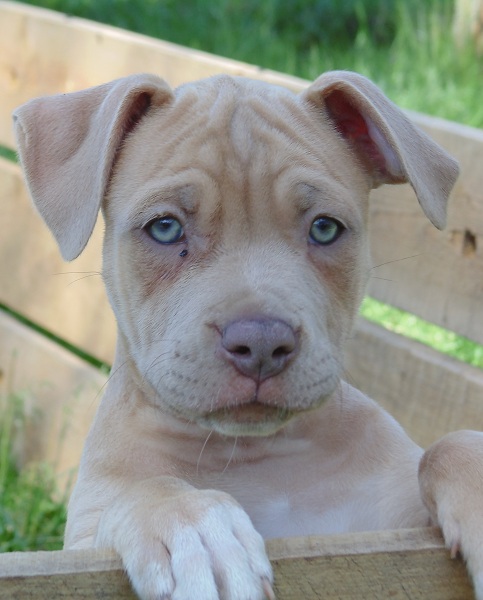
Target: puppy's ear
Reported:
[(390, 147), (67, 145)]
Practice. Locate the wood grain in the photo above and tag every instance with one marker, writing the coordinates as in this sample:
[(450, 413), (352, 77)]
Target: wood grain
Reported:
[(428, 393), (59, 392), (67, 299), (404, 564)]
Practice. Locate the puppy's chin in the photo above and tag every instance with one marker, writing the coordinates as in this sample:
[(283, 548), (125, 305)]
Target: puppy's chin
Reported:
[(254, 419)]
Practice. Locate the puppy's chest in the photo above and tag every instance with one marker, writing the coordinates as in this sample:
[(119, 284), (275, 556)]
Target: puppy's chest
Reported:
[(286, 506), (280, 517)]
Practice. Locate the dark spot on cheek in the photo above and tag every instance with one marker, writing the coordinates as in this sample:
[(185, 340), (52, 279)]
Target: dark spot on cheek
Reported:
[(183, 253)]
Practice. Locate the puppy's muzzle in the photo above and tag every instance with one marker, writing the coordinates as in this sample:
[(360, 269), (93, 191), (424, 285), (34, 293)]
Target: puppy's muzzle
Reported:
[(259, 348)]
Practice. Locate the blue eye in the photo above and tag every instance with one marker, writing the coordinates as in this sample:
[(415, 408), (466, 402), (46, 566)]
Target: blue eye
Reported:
[(325, 230), (165, 230)]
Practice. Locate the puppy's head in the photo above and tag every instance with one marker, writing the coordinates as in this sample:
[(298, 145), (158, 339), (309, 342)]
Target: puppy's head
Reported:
[(236, 251)]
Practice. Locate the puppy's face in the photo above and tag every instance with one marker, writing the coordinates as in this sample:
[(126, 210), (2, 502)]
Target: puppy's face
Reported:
[(235, 212)]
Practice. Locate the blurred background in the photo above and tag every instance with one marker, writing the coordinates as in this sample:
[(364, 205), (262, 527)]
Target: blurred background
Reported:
[(427, 55)]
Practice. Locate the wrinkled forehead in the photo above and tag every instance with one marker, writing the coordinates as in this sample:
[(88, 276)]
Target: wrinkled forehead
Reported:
[(223, 119), (235, 134)]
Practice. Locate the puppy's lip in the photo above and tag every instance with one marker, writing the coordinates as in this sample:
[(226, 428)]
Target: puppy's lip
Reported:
[(251, 411), (251, 418)]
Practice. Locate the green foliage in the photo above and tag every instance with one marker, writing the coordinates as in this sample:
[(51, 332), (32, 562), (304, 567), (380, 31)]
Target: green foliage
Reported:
[(8, 154), (32, 512), (405, 46), (412, 327)]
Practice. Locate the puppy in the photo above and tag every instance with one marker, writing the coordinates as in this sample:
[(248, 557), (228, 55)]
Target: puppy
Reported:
[(235, 259)]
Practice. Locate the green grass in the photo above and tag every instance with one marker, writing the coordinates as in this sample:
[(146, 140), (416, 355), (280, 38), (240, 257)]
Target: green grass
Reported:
[(8, 154), (417, 329), (32, 511), (405, 46), (85, 356)]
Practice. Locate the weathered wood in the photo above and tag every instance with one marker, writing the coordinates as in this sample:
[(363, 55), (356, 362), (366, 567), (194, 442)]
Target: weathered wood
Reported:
[(428, 393), (378, 565), (67, 299), (468, 24), (63, 575), (59, 393), (435, 275), (44, 52)]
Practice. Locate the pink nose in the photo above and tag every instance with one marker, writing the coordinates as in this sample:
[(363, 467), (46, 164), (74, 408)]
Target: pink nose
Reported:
[(259, 348)]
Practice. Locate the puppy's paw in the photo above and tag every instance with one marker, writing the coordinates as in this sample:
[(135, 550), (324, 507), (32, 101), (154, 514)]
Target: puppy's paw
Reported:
[(192, 544), (451, 482)]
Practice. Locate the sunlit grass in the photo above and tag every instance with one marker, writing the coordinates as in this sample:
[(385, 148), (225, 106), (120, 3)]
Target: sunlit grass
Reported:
[(32, 511), (405, 46), (410, 326)]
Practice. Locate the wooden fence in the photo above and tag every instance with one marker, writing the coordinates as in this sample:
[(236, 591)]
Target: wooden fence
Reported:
[(42, 52)]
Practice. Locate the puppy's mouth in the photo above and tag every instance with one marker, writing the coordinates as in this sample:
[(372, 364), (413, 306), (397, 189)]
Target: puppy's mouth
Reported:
[(250, 419)]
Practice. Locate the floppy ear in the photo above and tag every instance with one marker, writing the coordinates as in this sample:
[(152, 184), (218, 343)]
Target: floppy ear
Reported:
[(391, 148), (67, 145)]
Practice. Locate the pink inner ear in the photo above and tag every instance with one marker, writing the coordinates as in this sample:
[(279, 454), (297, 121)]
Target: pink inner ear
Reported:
[(374, 151), (348, 120)]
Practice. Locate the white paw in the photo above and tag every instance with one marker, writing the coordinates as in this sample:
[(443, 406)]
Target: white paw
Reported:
[(196, 545), (451, 479), (478, 585)]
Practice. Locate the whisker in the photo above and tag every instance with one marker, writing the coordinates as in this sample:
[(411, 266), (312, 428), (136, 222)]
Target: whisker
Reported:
[(201, 452), (382, 278), (388, 262), (111, 375), (78, 273), (84, 273), (231, 457), (81, 278)]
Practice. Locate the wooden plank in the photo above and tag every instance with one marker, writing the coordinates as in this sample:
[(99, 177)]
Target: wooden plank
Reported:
[(442, 284), (44, 52), (60, 394), (435, 275), (63, 575), (65, 298), (428, 393), (468, 24), (405, 564)]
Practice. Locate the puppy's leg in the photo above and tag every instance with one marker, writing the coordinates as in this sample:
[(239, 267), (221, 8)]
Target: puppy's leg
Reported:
[(180, 543), (451, 481)]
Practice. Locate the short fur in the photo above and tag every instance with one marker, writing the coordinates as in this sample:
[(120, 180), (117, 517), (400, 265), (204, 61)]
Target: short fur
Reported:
[(225, 418)]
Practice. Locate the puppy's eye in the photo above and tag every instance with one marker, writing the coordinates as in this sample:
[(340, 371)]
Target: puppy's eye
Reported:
[(165, 230), (325, 230)]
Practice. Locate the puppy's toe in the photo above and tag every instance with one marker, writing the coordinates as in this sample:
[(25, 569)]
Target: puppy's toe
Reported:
[(151, 577), (236, 554), (478, 585), (451, 532)]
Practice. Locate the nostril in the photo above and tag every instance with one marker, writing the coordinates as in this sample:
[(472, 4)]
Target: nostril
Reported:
[(282, 351), (259, 348), (241, 350)]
